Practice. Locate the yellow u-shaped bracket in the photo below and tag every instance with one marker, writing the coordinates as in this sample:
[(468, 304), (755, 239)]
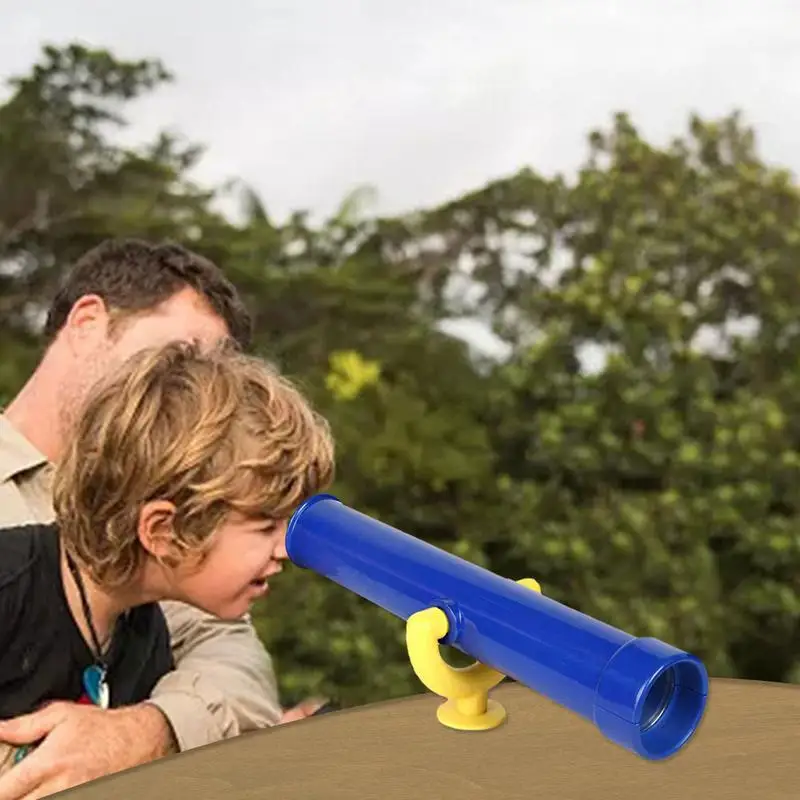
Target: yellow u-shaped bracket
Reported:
[(466, 689)]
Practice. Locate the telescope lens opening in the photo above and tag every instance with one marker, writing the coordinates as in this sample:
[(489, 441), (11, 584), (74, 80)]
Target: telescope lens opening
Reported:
[(658, 699), (672, 708)]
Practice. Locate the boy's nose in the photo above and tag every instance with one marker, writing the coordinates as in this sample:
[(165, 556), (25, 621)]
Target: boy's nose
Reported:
[(280, 551)]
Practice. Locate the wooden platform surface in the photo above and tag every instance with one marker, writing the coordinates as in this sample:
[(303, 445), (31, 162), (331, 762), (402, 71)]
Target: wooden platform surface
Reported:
[(748, 747)]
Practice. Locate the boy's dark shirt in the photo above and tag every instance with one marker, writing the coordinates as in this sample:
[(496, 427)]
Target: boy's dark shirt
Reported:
[(42, 652)]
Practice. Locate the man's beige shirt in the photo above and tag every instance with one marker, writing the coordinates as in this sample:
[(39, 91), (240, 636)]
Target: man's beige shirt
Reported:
[(223, 684)]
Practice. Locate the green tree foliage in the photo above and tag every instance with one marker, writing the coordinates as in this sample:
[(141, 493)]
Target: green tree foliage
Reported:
[(66, 185), (638, 449)]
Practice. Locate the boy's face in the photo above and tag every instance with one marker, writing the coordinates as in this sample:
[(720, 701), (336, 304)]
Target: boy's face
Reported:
[(244, 554)]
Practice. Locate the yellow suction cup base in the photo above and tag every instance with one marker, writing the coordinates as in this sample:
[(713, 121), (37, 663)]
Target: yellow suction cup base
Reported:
[(450, 716)]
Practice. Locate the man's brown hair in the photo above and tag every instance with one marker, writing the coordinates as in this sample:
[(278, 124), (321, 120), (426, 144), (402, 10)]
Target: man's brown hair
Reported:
[(212, 432), (134, 276)]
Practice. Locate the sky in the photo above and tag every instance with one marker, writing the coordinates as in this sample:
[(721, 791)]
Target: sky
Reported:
[(307, 100)]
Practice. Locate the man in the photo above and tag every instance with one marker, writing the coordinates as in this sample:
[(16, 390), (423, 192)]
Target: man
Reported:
[(119, 298)]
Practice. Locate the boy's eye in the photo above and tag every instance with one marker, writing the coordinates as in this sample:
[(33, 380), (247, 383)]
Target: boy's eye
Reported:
[(268, 527)]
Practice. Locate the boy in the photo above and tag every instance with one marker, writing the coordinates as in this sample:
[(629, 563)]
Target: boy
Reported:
[(176, 484)]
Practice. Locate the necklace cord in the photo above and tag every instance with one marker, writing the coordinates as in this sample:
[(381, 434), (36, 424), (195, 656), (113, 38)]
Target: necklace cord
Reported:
[(87, 611)]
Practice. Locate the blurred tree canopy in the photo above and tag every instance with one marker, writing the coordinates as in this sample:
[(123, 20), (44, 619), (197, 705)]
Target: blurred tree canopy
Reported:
[(637, 449)]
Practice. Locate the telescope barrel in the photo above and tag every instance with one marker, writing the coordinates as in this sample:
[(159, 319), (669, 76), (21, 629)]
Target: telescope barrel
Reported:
[(641, 693)]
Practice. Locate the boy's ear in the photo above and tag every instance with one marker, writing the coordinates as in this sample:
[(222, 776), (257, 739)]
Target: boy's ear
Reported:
[(156, 529)]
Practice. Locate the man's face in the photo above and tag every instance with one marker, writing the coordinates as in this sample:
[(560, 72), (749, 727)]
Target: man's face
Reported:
[(184, 317), (95, 351)]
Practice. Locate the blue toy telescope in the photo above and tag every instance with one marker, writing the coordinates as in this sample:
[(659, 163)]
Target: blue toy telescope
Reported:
[(643, 694)]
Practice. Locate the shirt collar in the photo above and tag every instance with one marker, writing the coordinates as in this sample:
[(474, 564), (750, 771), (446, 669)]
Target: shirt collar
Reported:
[(17, 454)]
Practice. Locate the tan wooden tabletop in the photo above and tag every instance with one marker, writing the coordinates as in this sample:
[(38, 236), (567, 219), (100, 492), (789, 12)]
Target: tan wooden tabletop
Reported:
[(747, 747)]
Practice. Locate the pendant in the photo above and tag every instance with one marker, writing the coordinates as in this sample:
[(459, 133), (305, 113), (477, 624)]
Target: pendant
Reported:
[(94, 682), (22, 751)]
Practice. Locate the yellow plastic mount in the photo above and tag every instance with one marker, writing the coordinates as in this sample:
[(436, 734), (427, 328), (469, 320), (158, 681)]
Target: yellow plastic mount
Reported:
[(466, 689)]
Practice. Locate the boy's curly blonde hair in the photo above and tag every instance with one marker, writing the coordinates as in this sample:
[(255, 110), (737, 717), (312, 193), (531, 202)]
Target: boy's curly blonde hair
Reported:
[(212, 432)]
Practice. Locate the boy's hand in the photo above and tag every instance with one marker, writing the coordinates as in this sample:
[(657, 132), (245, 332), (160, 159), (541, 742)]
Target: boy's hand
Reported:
[(302, 710), (78, 744)]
